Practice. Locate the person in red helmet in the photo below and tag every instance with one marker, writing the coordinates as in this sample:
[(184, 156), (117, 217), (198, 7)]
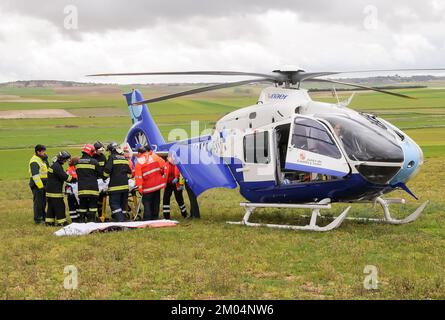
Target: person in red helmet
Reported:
[(88, 171)]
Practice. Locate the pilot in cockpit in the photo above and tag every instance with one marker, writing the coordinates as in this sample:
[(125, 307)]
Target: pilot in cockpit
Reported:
[(338, 131), (345, 137)]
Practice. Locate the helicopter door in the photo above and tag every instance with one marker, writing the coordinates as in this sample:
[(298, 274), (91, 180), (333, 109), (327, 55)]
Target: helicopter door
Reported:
[(259, 156), (312, 149)]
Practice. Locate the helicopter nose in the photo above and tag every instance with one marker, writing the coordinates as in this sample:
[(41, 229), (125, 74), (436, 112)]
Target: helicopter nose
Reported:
[(413, 156)]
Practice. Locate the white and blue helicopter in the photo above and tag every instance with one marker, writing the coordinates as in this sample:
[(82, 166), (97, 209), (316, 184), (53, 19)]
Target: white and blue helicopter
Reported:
[(288, 151)]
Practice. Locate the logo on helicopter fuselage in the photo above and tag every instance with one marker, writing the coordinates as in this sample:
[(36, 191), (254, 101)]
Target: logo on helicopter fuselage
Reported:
[(302, 156), (277, 96)]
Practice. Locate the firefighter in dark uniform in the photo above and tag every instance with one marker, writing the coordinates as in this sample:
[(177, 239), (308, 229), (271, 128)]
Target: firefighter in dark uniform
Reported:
[(118, 169), (55, 214), (88, 171), (99, 154), (101, 159), (38, 171)]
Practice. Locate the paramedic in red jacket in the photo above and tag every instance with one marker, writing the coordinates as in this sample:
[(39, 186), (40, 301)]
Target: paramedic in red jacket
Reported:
[(73, 204), (150, 180), (175, 184)]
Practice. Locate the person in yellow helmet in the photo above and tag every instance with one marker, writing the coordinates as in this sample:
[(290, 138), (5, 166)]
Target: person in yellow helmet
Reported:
[(38, 172)]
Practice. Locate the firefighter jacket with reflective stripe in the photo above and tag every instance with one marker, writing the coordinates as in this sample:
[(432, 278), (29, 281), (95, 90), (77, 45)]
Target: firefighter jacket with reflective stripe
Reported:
[(56, 177), (118, 169), (102, 160), (38, 172), (88, 171), (149, 174)]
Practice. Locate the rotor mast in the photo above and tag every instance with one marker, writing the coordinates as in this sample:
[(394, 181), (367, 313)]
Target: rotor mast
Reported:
[(288, 76)]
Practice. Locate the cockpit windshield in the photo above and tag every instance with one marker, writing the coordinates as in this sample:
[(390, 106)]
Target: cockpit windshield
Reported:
[(364, 139)]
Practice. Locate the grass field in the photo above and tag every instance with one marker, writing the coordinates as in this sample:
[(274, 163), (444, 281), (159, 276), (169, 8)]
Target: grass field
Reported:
[(208, 259)]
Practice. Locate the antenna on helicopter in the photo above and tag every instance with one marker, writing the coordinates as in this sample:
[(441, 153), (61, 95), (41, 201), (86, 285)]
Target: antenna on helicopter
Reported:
[(334, 93), (347, 102)]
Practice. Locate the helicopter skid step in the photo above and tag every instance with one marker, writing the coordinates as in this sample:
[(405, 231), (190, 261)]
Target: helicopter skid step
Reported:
[(312, 226)]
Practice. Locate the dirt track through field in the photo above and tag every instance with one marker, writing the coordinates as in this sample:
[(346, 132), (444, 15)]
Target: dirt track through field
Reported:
[(30, 114), (15, 99)]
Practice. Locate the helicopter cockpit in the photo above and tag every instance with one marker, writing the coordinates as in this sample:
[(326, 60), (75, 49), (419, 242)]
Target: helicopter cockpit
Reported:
[(365, 138), (315, 148)]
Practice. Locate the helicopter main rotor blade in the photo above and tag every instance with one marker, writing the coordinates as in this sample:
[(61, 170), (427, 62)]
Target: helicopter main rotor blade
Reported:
[(195, 73), (279, 77), (363, 87), (393, 70), (204, 89), (310, 75), (277, 74)]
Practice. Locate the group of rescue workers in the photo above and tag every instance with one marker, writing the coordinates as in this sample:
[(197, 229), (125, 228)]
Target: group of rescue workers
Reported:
[(81, 182)]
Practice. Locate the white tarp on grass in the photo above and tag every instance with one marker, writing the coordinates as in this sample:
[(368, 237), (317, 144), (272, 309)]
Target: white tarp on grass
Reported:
[(80, 229)]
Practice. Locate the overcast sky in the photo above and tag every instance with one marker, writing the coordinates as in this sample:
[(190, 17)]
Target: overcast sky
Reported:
[(65, 40)]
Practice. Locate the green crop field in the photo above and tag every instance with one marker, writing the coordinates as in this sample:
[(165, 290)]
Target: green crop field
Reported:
[(208, 259)]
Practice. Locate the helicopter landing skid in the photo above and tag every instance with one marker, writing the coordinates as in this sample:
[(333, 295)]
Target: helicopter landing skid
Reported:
[(387, 218), (312, 226)]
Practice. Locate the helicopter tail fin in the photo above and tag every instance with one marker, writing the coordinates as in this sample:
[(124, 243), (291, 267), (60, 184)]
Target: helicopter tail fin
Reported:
[(144, 129)]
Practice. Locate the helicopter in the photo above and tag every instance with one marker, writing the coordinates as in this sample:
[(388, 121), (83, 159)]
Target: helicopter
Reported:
[(289, 151)]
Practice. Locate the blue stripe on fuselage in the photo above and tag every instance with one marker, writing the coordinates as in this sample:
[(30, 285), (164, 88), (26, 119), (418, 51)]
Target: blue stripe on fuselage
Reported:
[(351, 187), (354, 187)]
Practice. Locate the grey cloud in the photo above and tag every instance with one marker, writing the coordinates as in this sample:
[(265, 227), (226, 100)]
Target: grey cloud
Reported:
[(136, 35), (101, 15)]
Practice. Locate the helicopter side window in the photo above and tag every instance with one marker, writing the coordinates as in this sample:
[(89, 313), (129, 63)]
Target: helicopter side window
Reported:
[(256, 148), (312, 136)]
